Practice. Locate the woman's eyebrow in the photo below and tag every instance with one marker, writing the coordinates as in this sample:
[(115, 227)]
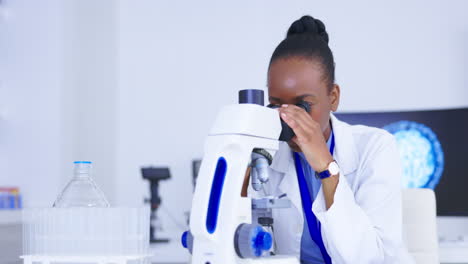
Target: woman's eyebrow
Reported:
[(304, 96), (274, 99), (298, 98)]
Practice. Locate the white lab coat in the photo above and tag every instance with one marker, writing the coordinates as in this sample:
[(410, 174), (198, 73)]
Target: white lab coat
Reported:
[(364, 224)]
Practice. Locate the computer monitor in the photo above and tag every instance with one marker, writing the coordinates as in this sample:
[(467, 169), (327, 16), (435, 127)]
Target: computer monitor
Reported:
[(434, 150)]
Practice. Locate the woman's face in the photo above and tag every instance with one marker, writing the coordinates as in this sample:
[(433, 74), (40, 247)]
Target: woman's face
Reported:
[(295, 79)]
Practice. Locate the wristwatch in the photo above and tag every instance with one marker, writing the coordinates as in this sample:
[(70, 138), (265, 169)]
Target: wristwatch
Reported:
[(332, 169)]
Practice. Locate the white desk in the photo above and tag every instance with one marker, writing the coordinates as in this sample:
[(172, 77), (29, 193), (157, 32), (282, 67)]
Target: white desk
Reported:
[(169, 253), (173, 253), (451, 254), (10, 236)]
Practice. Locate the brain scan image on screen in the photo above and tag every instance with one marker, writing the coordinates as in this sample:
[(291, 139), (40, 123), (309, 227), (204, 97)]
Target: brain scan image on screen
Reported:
[(421, 154)]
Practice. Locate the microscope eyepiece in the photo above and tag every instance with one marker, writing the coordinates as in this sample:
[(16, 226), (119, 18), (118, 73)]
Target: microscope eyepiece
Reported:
[(251, 96), (256, 96)]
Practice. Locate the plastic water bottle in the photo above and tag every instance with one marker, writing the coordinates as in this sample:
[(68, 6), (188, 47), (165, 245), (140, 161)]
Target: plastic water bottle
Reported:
[(81, 191)]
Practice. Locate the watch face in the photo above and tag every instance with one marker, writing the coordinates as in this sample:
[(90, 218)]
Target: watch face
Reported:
[(333, 168)]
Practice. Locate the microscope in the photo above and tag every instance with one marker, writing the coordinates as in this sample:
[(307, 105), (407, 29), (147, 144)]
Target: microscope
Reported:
[(154, 176), (222, 229)]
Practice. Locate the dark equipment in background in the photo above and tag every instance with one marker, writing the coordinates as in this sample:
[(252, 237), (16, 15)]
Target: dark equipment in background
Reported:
[(154, 176), (196, 163)]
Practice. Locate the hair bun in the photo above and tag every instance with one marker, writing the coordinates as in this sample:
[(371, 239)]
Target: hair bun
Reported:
[(308, 25)]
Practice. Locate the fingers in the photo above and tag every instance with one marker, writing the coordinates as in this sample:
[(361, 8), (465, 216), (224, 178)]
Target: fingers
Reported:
[(299, 122), (297, 127), (298, 114)]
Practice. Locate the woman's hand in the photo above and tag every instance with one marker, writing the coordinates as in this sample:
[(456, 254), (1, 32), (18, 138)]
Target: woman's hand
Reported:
[(309, 136)]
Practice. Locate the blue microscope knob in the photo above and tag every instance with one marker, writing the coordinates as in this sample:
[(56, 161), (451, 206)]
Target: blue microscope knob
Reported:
[(263, 240), (183, 239), (251, 240), (187, 240)]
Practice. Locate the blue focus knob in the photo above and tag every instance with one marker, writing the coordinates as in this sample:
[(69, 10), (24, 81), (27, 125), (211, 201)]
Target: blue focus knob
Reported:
[(251, 240), (183, 239), (263, 240), (187, 240)]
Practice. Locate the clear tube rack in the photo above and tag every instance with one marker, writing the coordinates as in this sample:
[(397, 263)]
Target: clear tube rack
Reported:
[(86, 235)]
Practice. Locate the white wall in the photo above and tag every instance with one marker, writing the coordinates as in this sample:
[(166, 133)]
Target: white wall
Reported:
[(57, 94), (30, 77), (89, 89), (179, 63)]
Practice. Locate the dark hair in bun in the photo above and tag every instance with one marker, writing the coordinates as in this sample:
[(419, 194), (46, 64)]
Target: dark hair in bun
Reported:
[(307, 38)]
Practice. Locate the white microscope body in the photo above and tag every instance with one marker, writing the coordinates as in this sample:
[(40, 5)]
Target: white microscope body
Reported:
[(218, 210)]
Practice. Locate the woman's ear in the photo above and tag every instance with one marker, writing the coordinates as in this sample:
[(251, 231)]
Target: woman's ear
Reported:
[(335, 97)]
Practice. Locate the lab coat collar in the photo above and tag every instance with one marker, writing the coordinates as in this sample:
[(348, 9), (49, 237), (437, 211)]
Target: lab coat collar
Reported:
[(345, 151), (345, 154)]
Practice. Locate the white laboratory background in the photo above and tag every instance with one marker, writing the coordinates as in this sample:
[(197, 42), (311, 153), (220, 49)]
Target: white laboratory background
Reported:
[(132, 83)]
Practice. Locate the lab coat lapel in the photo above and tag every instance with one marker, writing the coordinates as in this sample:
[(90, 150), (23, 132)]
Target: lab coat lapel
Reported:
[(283, 162), (289, 225)]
